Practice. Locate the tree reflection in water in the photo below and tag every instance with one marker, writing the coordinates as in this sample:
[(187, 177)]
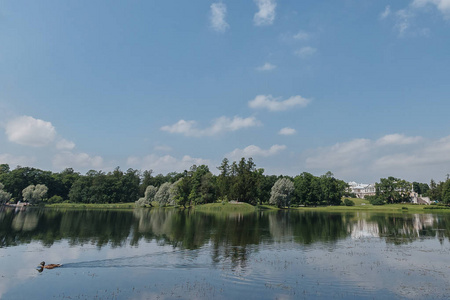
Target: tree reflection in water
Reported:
[(231, 235)]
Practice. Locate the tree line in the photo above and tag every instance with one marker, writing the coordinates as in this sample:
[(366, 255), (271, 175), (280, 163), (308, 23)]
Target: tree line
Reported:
[(395, 190), (237, 181)]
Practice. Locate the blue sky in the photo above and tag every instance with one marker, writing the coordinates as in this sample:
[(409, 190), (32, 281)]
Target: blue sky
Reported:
[(360, 88)]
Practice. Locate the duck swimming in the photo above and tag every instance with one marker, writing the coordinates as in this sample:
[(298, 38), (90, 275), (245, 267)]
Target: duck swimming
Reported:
[(42, 266)]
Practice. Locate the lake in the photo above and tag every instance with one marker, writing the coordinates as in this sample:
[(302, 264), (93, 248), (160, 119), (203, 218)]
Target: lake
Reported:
[(176, 254)]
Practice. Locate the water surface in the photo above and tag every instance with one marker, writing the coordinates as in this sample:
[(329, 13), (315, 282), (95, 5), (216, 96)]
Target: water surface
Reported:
[(175, 254)]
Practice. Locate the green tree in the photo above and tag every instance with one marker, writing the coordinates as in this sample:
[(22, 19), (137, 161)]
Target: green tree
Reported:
[(4, 195), (64, 181), (80, 190), (4, 169), (183, 190), (445, 191), (198, 187), (207, 188), (420, 188), (281, 192), (393, 190), (307, 189), (223, 180), (435, 191), (332, 189), (244, 185), (264, 185)]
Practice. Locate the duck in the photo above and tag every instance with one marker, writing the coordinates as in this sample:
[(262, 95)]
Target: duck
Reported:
[(50, 266)]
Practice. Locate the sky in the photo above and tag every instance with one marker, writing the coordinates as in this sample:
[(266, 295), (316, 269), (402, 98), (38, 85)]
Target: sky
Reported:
[(360, 88)]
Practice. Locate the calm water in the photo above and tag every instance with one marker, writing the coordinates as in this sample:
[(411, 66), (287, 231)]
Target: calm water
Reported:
[(172, 254)]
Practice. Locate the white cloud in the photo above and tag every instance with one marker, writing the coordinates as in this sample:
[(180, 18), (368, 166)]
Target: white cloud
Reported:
[(217, 17), (305, 52), (301, 35), (64, 144), (287, 131), (266, 67), (398, 139), (29, 131), (403, 18), (13, 160), (434, 153), (255, 151), (442, 5), (220, 125), (67, 159), (340, 155), (182, 126), (165, 164), (412, 158), (274, 104), (266, 12), (386, 12)]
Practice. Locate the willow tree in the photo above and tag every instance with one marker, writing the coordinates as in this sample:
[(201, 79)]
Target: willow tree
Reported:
[(149, 196), (281, 192), (163, 194), (34, 193)]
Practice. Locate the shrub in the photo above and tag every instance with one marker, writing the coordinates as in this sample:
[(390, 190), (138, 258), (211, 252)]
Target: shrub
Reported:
[(436, 207), (348, 202), (55, 199), (374, 200)]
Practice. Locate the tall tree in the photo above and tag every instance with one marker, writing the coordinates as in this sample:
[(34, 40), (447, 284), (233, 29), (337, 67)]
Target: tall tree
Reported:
[(183, 190), (307, 189), (223, 180), (244, 188), (332, 189)]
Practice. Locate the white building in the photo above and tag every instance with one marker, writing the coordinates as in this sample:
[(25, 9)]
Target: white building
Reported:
[(362, 189), (418, 199)]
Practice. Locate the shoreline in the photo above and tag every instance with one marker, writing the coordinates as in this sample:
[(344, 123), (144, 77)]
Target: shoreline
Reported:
[(245, 207)]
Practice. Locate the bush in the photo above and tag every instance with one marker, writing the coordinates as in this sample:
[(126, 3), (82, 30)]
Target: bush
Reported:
[(348, 202), (374, 200), (55, 199), (436, 207)]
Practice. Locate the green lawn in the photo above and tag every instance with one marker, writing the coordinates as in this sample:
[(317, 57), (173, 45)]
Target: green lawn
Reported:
[(359, 201), (226, 207)]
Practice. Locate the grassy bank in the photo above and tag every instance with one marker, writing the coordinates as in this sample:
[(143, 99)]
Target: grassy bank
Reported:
[(360, 205), (129, 205), (211, 207), (364, 205), (227, 207)]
